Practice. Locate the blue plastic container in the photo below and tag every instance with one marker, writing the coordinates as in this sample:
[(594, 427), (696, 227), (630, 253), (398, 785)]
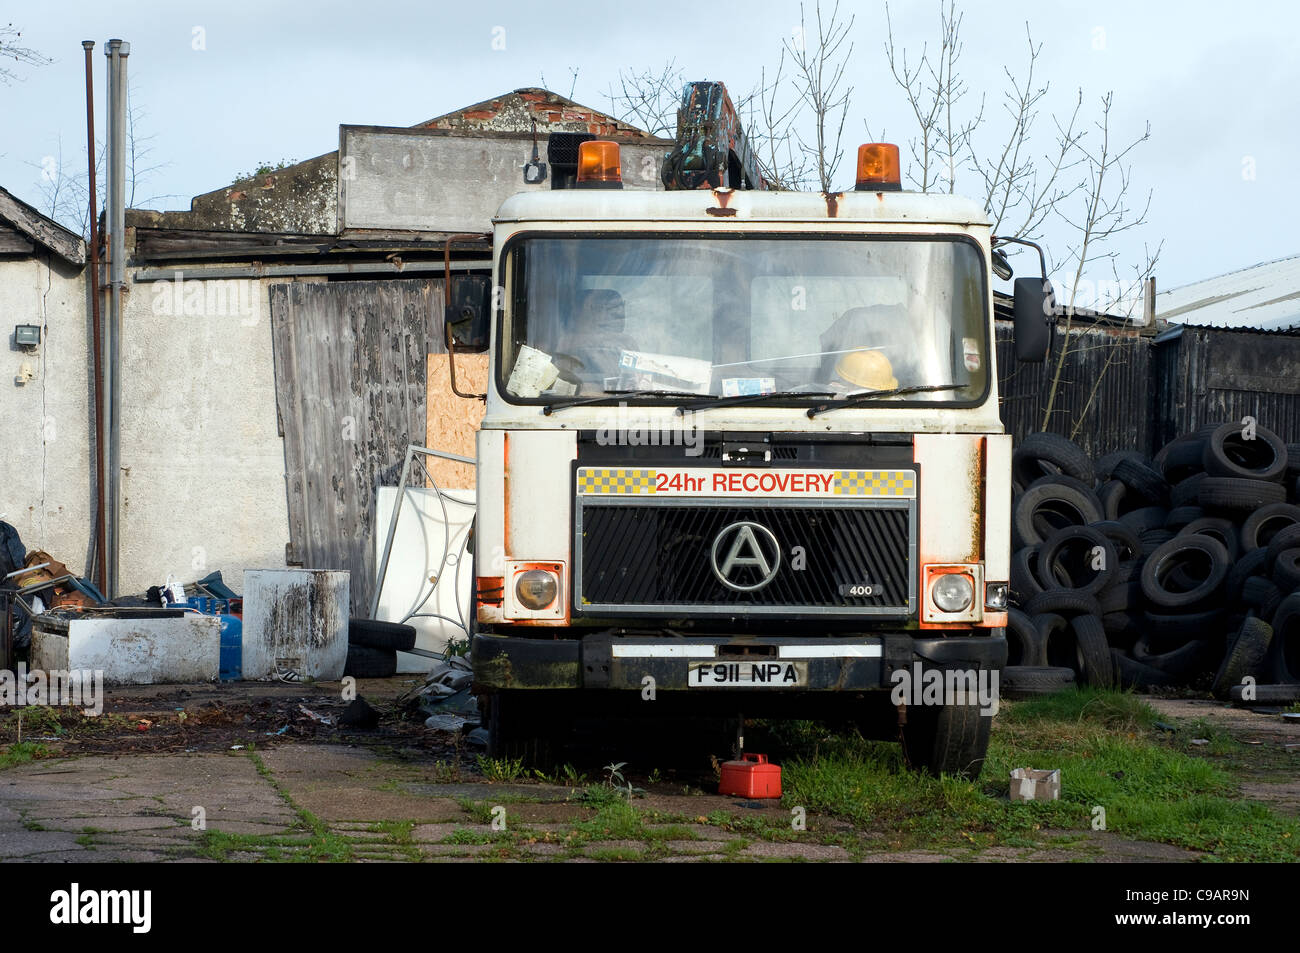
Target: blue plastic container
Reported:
[(232, 634)]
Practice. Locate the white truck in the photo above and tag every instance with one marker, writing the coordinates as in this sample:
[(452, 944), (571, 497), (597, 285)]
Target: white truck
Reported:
[(742, 452)]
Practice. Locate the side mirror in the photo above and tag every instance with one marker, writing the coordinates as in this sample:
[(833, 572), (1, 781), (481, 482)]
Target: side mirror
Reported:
[(1001, 267), (1032, 306), (469, 313)]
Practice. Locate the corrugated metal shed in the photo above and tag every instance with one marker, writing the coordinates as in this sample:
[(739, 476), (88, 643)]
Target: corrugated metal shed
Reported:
[(1210, 375), (1264, 297)]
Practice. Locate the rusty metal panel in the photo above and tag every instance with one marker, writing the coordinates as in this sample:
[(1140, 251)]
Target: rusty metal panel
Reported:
[(433, 180), (350, 379)]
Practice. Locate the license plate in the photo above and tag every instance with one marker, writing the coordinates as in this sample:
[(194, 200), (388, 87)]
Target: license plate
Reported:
[(759, 673)]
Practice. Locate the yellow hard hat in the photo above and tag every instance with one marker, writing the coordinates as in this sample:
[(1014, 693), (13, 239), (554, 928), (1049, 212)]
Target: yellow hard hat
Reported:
[(868, 369)]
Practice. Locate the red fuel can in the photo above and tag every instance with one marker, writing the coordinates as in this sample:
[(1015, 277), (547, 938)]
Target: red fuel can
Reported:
[(751, 777)]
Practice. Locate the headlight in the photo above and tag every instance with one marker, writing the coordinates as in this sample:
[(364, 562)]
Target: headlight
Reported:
[(953, 592), (536, 588)]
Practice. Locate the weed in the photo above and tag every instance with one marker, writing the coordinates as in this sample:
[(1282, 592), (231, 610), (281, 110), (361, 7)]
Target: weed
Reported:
[(396, 832), (617, 820), (21, 753), (568, 775), (500, 770), (598, 795), (446, 772)]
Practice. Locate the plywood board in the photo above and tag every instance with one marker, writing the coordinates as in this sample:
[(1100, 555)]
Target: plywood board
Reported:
[(453, 421)]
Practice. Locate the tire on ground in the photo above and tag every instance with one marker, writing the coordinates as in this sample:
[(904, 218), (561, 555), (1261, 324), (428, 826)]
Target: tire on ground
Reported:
[(1024, 582), (1251, 564), (1143, 481), (366, 662), (1079, 573), (1028, 681), (1265, 695), (1044, 454), (1286, 570), (1266, 522), (381, 635), (1146, 519), (1105, 467), (1127, 543), (1238, 494), (1182, 459), (1180, 516), (1216, 527), (1284, 665), (1229, 452), (1187, 492), (1246, 655), (1182, 663), (1048, 506), (1131, 673), (1066, 602), (1176, 554), (1025, 644)]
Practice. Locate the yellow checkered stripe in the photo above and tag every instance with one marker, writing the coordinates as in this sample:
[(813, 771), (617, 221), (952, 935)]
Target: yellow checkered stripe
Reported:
[(596, 481), (874, 483)]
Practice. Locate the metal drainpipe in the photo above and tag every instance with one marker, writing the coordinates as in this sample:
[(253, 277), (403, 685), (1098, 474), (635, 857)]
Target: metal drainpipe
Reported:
[(117, 52), (98, 356)]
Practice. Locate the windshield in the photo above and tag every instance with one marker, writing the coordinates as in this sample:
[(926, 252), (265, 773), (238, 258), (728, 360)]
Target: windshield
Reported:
[(730, 316)]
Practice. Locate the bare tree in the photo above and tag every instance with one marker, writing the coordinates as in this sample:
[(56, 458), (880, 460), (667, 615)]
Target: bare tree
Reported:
[(819, 75), (770, 111), (65, 193), (1105, 213), (1019, 192), (934, 89), (13, 48), (573, 77), (649, 98)]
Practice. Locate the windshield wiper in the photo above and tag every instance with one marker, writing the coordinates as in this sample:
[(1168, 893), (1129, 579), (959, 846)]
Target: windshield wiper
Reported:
[(758, 398), (864, 396), (611, 396)]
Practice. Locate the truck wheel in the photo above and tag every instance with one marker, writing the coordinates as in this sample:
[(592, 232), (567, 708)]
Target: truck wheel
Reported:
[(523, 728), (947, 739)]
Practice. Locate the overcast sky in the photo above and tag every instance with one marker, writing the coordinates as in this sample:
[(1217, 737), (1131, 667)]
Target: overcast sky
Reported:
[(224, 86)]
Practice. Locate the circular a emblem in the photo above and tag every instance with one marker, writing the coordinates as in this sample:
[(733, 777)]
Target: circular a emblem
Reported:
[(745, 556)]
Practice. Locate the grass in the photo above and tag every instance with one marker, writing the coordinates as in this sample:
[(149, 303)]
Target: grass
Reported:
[(21, 753), (1151, 785), (617, 820)]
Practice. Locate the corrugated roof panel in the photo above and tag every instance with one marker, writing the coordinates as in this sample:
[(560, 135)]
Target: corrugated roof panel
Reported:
[(1264, 297)]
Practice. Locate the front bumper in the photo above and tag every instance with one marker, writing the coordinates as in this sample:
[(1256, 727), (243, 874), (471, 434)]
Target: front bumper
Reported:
[(604, 662)]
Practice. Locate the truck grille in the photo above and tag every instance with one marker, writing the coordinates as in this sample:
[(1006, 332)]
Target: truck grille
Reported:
[(634, 557)]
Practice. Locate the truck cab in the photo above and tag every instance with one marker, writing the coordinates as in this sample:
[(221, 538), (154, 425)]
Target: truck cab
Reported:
[(741, 451)]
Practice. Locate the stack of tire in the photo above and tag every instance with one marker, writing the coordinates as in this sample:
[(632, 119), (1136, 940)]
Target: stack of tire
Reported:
[(373, 647), (1182, 570)]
